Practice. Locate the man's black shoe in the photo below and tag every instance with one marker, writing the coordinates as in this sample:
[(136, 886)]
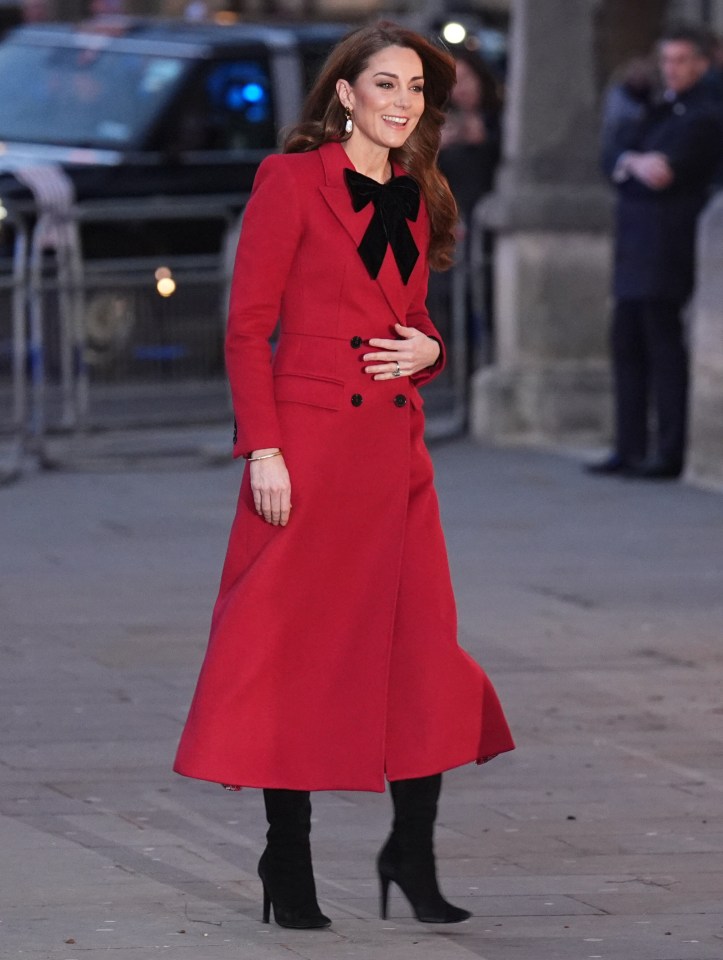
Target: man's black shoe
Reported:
[(656, 469), (610, 466)]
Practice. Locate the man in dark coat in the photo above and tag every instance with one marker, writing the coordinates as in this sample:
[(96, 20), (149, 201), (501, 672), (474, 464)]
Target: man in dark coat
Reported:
[(662, 165)]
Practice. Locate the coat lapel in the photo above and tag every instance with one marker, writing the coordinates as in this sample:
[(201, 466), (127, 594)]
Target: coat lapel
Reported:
[(336, 195)]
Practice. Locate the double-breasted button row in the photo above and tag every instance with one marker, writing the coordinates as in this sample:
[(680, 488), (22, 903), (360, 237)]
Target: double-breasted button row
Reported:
[(399, 401), (356, 342)]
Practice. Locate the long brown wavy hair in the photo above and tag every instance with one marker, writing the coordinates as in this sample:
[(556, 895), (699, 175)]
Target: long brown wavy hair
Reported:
[(323, 119)]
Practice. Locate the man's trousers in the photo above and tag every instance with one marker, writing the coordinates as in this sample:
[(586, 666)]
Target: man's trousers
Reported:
[(650, 370)]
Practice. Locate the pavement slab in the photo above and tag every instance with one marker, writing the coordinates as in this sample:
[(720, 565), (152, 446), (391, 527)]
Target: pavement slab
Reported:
[(595, 604)]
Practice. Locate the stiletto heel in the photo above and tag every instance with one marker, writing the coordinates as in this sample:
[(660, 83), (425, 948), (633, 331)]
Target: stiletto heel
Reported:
[(267, 904), (294, 907), (407, 857), (420, 888), (383, 896)]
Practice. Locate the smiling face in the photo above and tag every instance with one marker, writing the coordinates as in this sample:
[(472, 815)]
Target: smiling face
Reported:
[(386, 99)]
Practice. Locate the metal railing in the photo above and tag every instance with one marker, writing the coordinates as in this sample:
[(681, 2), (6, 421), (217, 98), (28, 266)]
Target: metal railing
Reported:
[(13, 348)]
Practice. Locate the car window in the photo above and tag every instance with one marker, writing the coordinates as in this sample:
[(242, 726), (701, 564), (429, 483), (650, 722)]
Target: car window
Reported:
[(82, 97), (228, 105)]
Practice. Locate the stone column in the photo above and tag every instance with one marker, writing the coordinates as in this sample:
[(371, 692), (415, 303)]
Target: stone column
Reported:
[(706, 415), (551, 215)]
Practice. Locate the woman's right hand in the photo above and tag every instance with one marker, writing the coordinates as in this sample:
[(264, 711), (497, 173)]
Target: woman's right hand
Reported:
[(271, 487)]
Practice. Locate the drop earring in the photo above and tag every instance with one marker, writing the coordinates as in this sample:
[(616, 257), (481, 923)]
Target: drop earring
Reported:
[(349, 125)]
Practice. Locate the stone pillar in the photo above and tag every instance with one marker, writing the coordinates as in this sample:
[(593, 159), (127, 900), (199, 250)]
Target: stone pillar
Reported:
[(551, 214), (705, 457)]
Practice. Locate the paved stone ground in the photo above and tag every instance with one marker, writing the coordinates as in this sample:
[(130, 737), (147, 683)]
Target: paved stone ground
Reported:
[(596, 605)]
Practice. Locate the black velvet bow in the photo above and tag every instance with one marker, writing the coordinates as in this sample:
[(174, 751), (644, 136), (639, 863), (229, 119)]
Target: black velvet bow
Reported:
[(395, 202)]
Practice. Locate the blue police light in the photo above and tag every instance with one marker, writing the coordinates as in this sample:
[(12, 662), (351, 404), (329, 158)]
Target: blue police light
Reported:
[(243, 97), (253, 93)]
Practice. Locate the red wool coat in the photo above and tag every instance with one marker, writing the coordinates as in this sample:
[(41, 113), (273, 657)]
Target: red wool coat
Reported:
[(333, 657)]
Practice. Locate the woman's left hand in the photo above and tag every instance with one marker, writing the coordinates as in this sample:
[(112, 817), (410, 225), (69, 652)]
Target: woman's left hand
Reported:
[(413, 352)]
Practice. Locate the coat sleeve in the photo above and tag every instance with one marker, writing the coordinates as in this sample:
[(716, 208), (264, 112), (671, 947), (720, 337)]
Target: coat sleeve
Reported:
[(418, 316), (697, 152), (619, 138), (270, 233)]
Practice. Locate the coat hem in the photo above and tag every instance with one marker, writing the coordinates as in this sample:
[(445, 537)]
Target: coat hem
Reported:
[(229, 783), (478, 761)]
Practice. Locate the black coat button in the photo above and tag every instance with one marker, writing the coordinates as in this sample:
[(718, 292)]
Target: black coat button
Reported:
[(400, 400), (356, 342), (356, 399)]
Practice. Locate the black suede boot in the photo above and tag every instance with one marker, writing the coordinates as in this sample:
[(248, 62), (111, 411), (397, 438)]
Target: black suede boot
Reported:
[(407, 858), (285, 865)]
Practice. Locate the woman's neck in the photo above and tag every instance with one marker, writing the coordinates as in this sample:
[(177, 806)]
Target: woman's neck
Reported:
[(373, 163)]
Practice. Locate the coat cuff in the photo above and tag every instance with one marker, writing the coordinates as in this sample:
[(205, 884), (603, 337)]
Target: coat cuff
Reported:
[(429, 373), (246, 443)]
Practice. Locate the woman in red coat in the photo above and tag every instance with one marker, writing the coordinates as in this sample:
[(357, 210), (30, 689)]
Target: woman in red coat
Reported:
[(333, 660)]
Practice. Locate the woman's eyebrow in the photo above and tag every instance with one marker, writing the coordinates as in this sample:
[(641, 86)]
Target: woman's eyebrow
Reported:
[(384, 73)]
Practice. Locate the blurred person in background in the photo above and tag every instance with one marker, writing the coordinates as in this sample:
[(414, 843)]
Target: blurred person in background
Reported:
[(628, 98), (470, 149), (662, 165), (469, 155), (333, 661)]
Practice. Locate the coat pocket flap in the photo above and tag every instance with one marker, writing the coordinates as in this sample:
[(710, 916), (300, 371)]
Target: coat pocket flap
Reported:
[(316, 391)]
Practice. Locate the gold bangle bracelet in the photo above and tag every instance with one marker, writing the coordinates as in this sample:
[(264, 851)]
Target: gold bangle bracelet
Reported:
[(266, 456)]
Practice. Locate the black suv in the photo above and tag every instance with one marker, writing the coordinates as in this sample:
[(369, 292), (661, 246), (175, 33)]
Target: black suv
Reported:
[(141, 107), (161, 126)]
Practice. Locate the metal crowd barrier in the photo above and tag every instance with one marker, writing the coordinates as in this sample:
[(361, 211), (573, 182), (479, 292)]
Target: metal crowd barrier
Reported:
[(105, 357), (154, 325), (13, 345), (460, 303), (480, 259), (104, 345), (446, 396)]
